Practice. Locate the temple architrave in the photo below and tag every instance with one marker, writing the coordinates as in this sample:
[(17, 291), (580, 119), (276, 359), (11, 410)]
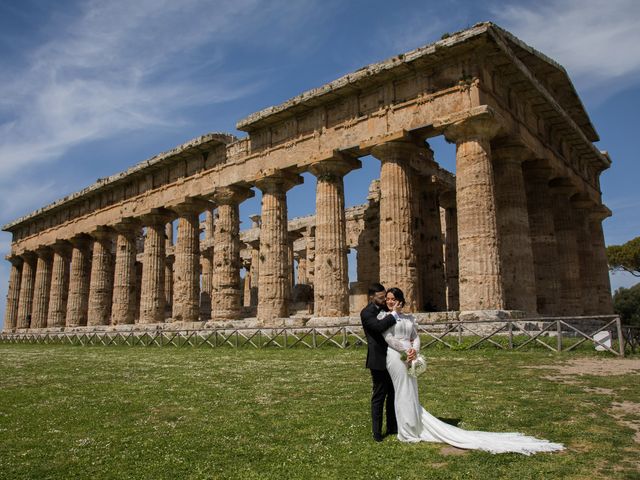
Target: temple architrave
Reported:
[(516, 231)]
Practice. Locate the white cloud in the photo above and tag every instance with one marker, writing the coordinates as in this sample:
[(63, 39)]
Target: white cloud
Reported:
[(124, 65), (595, 40)]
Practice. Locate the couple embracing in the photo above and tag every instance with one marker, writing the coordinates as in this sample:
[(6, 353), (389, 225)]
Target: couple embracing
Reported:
[(393, 344)]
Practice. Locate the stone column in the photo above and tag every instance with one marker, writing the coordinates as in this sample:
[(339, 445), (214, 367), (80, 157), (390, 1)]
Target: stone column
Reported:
[(448, 203), (169, 262), (78, 300), (255, 271), (59, 285), (570, 296), (101, 283), (41, 288), (152, 295), (13, 293), (516, 255), (206, 261), (543, 235), (186, 286), (601, 267), (226, 289), (586, 260), (480, 276), (274, 288), (368, 249), (138, 288), (123, 309), (25, 301), (398, 255), (302, 268), (433, 285), (246, 284), (331, 286), (168, 234), (310, 235)]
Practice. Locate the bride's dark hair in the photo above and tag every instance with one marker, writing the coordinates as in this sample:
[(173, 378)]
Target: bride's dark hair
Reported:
[(397, 293)]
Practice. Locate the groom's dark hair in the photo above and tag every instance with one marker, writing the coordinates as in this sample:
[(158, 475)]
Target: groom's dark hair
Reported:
[(375, 288)]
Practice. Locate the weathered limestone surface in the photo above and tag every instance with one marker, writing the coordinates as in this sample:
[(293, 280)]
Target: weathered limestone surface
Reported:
[(398, 261), (434, 284), (543, 235), (78, 301), (481, 285), (25, 303), (123, 309), (41, 289), (13, 293), (152, 297), (331, 279), (206, 264), (586, 260), (603, 283), (59, 286), (448, 204), (516, 255), (226, 291), (274, 287), (101, 282)]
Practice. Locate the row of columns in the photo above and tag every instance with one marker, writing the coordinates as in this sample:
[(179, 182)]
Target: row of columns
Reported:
[(515, 237)]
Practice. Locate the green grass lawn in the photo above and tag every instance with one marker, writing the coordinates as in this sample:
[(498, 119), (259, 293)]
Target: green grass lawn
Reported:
[(123, 412)]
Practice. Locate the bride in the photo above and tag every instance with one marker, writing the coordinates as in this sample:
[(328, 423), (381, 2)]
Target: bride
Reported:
[(415, 424)]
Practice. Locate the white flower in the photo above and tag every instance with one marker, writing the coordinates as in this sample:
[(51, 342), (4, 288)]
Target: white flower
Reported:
[(417, 367)]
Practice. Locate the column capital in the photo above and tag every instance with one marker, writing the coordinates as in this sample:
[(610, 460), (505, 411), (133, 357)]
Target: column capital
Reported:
[(511, 152), (102, 233), (15, 260), (448, 199), (232, 194), (45, 252), (582, 202), (80, 241), (62, 247), (255, 220), (337, 166), (157, 217), (190, 205), (599, 213), (562, 186), (278, 181), (539, 168), (396, 150), (483, 126), (128, 225)]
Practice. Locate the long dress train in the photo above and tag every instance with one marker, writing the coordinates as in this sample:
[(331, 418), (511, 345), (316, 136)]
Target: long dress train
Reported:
[(415, 424)]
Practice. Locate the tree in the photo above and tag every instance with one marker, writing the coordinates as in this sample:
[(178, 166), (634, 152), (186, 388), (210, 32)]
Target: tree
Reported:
[(625, 257), (626, 303)]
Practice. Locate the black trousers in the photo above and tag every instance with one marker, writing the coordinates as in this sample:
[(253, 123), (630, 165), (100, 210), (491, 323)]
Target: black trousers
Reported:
[(382, 390)]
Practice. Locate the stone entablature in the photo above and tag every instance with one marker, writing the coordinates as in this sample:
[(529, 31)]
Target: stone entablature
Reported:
[(464, 243)]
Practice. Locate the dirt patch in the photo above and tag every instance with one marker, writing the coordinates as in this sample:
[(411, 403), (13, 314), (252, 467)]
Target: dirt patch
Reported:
[(621, 411), (594, 366), (449, 450)]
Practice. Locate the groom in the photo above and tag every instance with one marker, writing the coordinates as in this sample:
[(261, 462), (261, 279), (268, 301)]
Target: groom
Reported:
[(376, 360)]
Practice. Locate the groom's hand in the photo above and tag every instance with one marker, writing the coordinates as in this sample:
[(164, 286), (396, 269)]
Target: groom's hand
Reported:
[(411, 354)]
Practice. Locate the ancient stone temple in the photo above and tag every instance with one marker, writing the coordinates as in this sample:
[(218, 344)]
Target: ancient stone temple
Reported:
[(517, 229)]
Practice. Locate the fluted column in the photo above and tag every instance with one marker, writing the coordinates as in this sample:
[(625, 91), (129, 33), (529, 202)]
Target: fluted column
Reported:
[(226, 296), (274, 288), (518, 274), (310, 236), (302, 268), (331, 286), (42, 288), (13, 293), (255, 271), (59, 285), (480, 276), (78, 300), (433, 283), (543, 235), (101, 282), (206, 262), (448, 203), (570, 297), (186, 286), (586, 260), (123, 309), (169, 262), (27, 281), (152, 295), (398, 253), (601, 268), (367, 254), (246, 284)]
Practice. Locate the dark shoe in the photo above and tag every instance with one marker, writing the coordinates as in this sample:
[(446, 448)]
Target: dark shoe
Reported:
[(377, 437)]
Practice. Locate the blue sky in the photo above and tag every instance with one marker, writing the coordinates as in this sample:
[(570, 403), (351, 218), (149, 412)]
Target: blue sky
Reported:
[(89, 88)]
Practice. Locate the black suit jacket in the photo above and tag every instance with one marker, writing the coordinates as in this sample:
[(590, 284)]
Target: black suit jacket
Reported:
[(373, 329)]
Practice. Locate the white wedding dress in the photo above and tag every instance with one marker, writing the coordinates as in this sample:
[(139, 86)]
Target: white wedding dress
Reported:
[(415, 424)]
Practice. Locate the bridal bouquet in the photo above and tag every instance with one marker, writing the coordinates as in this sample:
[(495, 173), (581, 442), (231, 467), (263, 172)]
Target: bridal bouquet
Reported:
[(415, 368)]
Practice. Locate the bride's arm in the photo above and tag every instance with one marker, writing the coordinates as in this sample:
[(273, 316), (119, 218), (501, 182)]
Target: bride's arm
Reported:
[(415, 338), (393, 342)]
